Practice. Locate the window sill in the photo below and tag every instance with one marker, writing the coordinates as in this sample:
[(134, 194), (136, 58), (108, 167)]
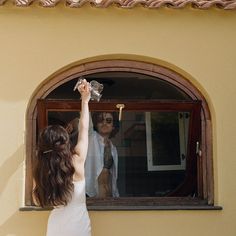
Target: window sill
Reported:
[(149, 203), (139, 204), (149, 208), (132, 208)]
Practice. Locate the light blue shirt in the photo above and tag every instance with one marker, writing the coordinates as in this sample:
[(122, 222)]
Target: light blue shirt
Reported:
[(94, 165)]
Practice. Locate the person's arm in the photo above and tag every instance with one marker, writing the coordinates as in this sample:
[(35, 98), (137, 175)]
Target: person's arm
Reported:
[(82, 143), (91, 129)]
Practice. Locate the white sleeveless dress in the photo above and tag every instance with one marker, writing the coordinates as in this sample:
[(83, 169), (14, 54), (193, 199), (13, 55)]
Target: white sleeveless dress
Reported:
[(73, 219)]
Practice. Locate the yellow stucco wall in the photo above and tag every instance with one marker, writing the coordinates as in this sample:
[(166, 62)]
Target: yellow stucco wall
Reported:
[(36, 42)]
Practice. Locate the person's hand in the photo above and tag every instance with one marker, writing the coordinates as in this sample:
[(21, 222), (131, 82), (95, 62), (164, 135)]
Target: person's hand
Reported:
[(69, 128), (72, 125), (84, 90)]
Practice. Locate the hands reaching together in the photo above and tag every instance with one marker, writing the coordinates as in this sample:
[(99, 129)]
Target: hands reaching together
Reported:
[(84, 90)]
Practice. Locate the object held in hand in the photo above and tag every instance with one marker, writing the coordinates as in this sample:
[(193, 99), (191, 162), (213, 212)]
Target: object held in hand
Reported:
[(95, 88)]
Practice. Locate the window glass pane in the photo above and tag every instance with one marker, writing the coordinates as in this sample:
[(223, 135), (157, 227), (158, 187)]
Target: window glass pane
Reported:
[(61, 117), (167, 137), (124, 85), (151, 146), (152, 152)]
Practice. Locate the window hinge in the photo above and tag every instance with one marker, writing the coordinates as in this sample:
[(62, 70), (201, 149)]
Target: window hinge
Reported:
[(198, 150)]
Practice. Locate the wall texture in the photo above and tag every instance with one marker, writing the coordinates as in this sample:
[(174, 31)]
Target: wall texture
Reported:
[(200, 44)]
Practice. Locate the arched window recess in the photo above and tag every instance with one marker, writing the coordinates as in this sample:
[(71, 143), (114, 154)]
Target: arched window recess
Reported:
[(164, 139)]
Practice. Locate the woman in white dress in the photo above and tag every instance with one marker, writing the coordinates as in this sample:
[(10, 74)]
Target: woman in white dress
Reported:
[(59, 175)]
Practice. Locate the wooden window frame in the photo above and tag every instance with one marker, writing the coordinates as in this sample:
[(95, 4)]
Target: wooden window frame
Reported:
[(194, 107), (205, 164)]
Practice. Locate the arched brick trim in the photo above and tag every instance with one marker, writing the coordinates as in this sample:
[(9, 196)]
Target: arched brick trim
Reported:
[(151, 69)]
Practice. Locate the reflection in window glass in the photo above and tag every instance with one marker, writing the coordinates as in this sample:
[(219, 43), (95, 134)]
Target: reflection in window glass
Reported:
[(156, 137), (61, 117), (167, 137), (152, 149)]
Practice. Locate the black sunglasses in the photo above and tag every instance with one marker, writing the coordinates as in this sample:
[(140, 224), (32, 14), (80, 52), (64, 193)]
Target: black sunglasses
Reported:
[(107, 120)]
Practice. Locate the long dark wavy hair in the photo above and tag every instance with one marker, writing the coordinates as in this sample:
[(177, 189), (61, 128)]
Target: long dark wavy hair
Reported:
[(53, 169)]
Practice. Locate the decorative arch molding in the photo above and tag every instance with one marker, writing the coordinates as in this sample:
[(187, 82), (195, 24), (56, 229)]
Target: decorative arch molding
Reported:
[(110, 65)]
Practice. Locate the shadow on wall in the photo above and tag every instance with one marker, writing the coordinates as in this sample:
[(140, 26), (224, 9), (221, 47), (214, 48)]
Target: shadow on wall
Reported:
[(18, 223), (25, 224), (9, 167)]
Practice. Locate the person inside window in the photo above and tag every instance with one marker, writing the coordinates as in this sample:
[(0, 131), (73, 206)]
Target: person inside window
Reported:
[(101, 166)]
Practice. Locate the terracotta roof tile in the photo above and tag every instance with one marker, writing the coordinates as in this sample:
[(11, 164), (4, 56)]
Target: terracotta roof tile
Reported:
[(152, 4)]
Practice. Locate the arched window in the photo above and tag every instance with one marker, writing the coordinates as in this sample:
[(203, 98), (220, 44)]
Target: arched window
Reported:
[(164, 139)]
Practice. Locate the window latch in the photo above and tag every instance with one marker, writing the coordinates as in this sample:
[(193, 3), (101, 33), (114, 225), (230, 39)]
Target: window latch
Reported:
[(120, 107)]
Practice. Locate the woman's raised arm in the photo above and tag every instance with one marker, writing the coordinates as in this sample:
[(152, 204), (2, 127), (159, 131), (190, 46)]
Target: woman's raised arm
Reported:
[(82, 143)]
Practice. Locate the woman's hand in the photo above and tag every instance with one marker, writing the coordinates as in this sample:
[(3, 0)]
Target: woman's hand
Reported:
[(84, 90)]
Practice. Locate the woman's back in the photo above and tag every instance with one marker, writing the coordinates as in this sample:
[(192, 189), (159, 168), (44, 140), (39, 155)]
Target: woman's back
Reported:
[(72, 219), (56, 166)]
